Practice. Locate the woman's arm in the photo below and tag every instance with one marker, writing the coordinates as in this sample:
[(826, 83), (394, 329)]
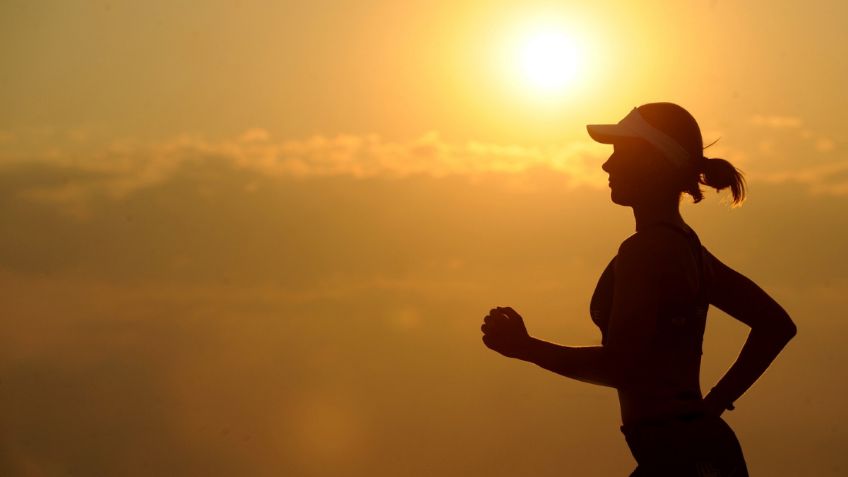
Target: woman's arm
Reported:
[(641, 263), (504, 331), (589, 364), (771, 330)]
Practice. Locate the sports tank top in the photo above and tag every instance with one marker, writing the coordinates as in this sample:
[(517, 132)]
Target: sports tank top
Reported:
[(677, 343)]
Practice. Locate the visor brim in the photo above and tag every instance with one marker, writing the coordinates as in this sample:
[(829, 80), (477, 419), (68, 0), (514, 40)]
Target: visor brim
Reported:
[(607, 133)]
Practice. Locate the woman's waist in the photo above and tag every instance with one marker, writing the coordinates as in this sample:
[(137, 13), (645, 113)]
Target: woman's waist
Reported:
[(640, 406), (662, 424)]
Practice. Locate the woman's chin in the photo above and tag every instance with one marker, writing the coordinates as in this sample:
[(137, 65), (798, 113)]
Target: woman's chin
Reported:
[(618, 198)]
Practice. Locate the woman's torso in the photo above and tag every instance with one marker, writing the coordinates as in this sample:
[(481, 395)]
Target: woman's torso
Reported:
[(669, 381)]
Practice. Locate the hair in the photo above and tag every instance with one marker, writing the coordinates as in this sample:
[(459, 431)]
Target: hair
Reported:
[(717, 173)]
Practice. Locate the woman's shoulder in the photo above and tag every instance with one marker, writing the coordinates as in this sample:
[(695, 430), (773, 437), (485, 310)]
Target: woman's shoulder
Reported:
[(657, 242), (657, 248)]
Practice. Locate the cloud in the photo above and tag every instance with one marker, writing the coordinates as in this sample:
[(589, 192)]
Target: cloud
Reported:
[(83, 173), (123, 167), (783, 150), (820, 142), (776, 121), (429, 154), (825, 179), (824, 144)]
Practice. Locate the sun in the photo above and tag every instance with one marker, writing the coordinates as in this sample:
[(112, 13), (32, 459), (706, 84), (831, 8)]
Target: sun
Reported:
[(545, 60), (542, 57), (548, 60)]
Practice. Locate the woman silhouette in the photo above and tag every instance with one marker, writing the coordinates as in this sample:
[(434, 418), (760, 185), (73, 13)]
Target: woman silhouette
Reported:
[(651, 304)]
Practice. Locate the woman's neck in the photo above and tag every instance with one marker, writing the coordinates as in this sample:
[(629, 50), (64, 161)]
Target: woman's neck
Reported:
[(649, 214)]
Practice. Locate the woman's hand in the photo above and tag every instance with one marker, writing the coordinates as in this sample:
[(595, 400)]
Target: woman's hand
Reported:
[(504, 331), (712, 405)]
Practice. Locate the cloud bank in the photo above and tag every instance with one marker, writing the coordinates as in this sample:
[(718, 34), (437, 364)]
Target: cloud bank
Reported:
[(121, 168), (780, 149)]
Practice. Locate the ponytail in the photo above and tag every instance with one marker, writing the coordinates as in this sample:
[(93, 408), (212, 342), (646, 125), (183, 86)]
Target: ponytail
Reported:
[(720, 174), (680, 127)]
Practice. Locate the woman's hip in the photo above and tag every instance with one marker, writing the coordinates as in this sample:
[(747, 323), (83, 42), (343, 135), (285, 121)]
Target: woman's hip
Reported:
[(693, 445)]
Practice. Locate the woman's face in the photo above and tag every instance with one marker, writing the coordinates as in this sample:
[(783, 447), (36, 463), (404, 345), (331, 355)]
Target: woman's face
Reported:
[(637, 173)]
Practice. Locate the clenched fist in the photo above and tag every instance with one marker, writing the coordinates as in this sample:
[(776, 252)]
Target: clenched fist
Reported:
[(504, 331)]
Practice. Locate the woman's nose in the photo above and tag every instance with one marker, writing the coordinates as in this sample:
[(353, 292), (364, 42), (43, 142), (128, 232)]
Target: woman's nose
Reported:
[(605, 165)]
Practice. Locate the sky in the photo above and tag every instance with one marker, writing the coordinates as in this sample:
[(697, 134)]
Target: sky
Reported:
[(259, 238)]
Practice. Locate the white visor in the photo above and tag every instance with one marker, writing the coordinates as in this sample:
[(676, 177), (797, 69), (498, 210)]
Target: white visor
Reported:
[(634, 125)]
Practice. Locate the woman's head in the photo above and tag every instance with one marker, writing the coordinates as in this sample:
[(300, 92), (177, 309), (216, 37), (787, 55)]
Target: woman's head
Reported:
[(658, 154)]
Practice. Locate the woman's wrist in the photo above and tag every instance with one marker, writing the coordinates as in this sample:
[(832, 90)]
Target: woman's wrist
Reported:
[(528, 350), (718, 399)]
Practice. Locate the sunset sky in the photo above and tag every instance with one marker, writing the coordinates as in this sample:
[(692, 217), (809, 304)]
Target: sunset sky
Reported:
[(259, 238)]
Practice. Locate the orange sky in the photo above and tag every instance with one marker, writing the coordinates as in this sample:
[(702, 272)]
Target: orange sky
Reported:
[(259, 239)]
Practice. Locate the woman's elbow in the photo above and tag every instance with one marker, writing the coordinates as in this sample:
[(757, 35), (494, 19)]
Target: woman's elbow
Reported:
[(790, 330), (783, 327)]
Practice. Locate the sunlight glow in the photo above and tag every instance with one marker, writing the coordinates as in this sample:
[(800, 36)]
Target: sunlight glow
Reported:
[(548, 60), (543, 57)]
